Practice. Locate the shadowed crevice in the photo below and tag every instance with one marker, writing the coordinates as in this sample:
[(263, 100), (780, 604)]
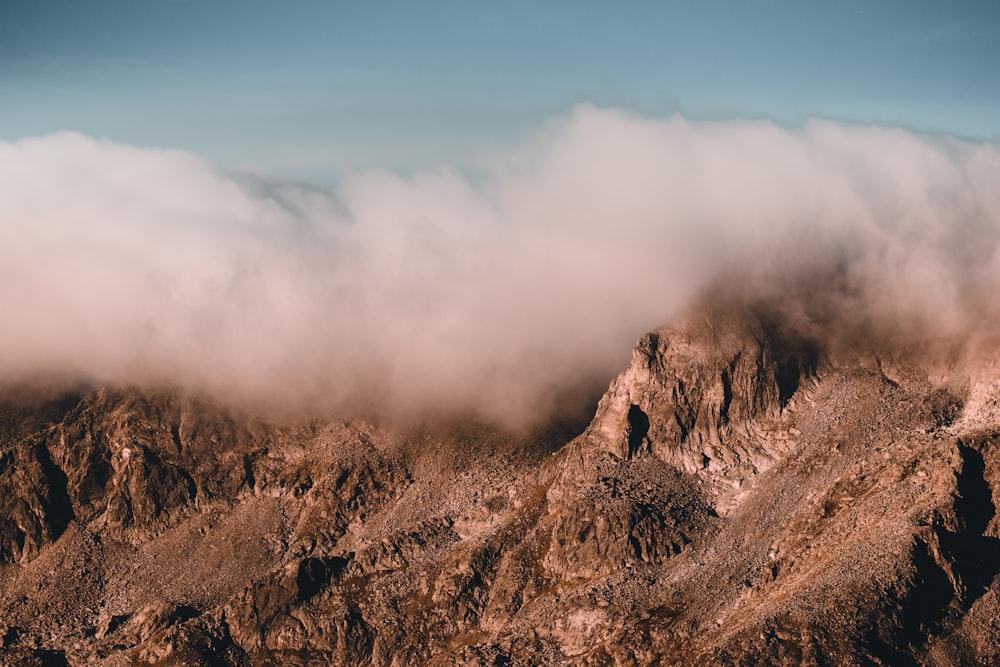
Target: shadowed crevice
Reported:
[(638, 429)]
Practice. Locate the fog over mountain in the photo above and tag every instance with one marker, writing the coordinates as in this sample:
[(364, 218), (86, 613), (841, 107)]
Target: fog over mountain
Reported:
[(499, 295)]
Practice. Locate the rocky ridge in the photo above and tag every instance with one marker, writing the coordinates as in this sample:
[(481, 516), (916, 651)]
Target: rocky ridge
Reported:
[(739, 498)]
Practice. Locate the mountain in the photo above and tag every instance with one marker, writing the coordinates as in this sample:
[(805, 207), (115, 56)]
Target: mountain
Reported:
[(746, 493)]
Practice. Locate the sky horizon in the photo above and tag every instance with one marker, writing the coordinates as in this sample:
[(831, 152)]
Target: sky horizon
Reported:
[(312, 90)]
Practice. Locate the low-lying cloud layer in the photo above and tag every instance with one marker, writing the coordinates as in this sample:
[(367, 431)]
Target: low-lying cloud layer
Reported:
[(500, 295)]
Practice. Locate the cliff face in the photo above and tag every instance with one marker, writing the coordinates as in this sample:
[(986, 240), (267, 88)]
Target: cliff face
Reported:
[(738, 498), (708, 396)]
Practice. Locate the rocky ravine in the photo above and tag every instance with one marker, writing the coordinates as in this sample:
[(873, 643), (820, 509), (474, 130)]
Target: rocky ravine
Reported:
[(740, 498)]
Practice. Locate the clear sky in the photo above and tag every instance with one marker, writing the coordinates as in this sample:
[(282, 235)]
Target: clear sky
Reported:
[(311, 88)]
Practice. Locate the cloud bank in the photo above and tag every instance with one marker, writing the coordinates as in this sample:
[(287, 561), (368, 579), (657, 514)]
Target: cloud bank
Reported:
[(499, 295)]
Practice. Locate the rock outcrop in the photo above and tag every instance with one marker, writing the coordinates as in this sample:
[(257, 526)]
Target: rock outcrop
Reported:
[(738, 498)]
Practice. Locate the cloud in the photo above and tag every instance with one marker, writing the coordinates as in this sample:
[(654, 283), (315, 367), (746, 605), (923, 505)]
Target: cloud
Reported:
[(498, 296)]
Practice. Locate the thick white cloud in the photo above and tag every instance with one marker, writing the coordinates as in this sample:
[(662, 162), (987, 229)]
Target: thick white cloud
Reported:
[(496, 296)]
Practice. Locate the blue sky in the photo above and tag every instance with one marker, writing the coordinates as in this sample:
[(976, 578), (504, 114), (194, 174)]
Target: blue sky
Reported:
[(310, 88)]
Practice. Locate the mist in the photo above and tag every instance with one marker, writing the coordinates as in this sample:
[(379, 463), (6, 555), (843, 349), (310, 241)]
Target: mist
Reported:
[(505, 296)]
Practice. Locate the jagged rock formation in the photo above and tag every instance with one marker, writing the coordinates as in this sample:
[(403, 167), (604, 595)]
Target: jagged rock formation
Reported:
[(739, 498)]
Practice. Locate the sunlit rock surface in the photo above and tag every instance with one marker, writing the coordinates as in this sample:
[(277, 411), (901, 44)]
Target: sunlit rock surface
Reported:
[(740, 497)]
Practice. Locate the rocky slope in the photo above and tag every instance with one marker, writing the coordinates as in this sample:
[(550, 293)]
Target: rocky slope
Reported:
[(739, 498)]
